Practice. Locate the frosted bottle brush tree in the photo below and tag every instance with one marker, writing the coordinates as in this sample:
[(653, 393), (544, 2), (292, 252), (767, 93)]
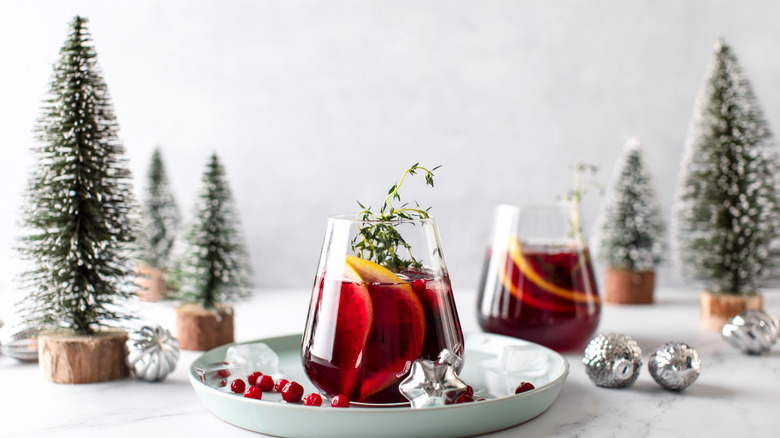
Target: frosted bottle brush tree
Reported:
[(630, 233), (727, 216), (77, 219), (160, 225), (160, 215), (213, 269)]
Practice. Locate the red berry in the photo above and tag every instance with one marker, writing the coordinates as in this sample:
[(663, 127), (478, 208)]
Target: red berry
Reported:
[(223, 373), (312, 399), (465, 398), (523, 387), (253, 392), (280, 384), (252, 379), (222, 383), (418, 286), (340, 401), (265, 383), (238, 386), (292, 392)]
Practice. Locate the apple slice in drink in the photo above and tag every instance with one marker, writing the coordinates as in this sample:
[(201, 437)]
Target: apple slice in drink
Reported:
[(353, 325), (397, 331)]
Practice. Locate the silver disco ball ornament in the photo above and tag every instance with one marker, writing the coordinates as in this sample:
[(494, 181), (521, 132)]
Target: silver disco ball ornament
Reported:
[(20, 341), (675, 365), (753, 332), (613, 360), (152, 352)]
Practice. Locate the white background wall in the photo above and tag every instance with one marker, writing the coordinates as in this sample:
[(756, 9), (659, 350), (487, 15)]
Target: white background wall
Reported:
[(313, 105)]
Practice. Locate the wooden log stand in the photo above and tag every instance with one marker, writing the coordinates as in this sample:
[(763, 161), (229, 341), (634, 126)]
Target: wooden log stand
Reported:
[(151, 283), (202, 329), (718, 309), (65, 357), (623, 286)]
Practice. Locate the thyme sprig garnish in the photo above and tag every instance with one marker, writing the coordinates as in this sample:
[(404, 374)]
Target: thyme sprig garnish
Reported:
[(381, 242), (574, 197)]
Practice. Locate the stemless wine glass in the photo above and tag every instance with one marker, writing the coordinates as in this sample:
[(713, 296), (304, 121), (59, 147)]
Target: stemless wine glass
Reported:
[(381, 299), (538, 281)]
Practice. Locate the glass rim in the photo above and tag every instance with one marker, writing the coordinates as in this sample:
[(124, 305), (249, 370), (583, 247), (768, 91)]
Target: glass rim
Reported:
[(353, 218)]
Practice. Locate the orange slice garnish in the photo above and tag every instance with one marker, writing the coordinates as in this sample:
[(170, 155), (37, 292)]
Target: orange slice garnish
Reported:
[(528, 271)]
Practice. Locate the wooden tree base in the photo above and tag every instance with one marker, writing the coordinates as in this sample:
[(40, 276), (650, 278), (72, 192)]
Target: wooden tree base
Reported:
[(64, 357), (718, 309), (151, 283), (622, 286), (201, 329)]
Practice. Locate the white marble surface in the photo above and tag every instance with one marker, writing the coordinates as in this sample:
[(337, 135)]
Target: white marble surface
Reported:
[(736, 395)]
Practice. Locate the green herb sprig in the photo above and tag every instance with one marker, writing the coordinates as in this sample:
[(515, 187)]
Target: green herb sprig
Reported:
[(381, 242), (574, 197)]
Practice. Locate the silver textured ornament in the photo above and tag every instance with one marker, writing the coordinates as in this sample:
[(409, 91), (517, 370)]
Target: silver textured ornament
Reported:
[(675, 365), (434, 383), (152, 352), (20, 341), (753, 331), (613, 360)]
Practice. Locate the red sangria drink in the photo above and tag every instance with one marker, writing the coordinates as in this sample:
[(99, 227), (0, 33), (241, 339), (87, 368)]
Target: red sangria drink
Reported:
[(369, 324), (381, 300), (540, 290)]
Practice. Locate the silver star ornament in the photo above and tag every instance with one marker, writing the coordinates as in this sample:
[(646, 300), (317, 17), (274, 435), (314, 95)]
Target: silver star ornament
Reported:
[(434, 383)]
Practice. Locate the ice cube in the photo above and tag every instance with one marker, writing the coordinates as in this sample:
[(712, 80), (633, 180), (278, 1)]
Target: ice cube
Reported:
[(523, 360), (219, 374), (254, 357), (501, 385)]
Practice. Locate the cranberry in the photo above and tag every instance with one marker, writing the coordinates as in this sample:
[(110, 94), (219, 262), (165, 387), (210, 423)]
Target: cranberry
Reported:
[(465, 399), (292, 392), (312, 399), (252, 379), (223, 373), (418, 286), (523, 387), (253, 392), (467, 396), (265, 383), (340, 401), (238, 386), (280, 384)]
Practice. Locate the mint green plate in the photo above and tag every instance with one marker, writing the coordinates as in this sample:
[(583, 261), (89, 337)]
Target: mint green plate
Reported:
[(546, 369)]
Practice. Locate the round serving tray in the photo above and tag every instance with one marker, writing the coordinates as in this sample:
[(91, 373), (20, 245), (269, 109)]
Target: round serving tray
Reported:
[(547, 370)]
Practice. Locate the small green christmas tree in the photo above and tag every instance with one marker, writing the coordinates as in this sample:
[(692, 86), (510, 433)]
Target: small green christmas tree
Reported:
[(213, 269), (79, 199), (727, 216), (630, 231), (160, 216)]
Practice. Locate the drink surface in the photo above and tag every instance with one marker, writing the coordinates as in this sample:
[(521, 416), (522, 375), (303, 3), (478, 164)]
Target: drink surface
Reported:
[(541, 293), (362, 336)]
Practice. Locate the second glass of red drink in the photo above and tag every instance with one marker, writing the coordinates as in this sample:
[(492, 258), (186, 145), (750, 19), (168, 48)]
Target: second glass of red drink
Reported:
[(538, 282)]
